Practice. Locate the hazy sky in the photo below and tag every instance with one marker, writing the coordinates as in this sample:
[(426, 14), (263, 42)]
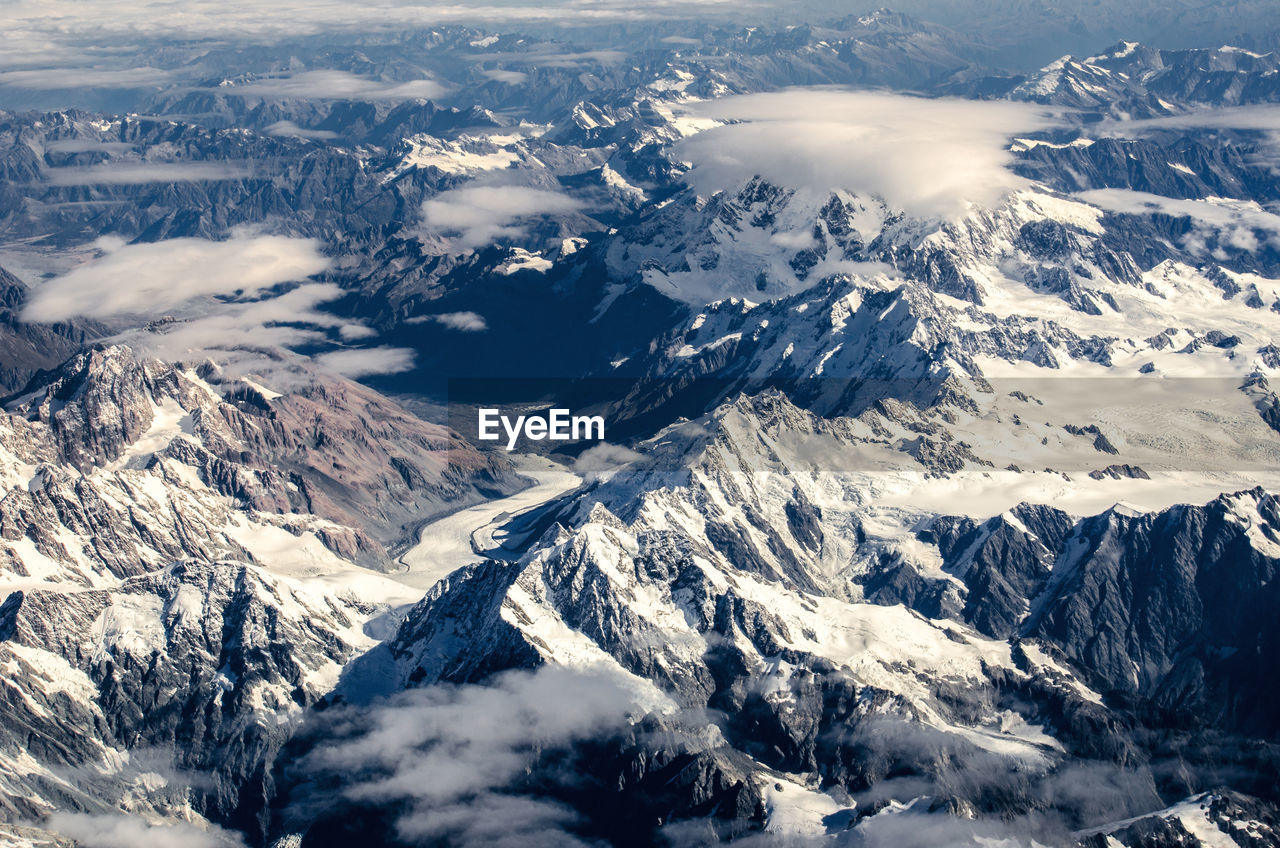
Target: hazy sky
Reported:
[(68, 33)]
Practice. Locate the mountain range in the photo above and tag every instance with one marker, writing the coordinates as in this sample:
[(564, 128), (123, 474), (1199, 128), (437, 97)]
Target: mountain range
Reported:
[(937, 501)]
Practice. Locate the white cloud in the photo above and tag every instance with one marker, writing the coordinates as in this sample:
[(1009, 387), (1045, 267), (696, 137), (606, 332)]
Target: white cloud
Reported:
[(153, 278), (479, 215), (136, 173), (480, 745), (123, 831), (364, 362), (509, 77), (178, 278), (49, 79), (292, 319), (553, 59), (289, 128), (44, 24), (351, 332), (335, 85), (1260, 117), (244, 336), (600, 462), (927, 157), (604, 457), (232, 333), (87, 145), (1235, 223), (448, 752), (493, 820), (468, 322), (1264, 117)]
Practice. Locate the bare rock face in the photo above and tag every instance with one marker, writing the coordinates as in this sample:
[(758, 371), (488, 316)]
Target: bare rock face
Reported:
[(1175, 607), (27, 348), (330, 447), (361, 460)]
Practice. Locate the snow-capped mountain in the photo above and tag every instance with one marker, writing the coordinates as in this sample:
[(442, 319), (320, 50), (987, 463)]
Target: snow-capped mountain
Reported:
[(189, 562), (789, 637), (1139, 81), (938, 504)]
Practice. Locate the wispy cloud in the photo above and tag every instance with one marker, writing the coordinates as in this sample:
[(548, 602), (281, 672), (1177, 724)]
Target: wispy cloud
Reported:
[(449, 754), (1260, 117), (927, 157), (601, 461), (186, 280), (478, 215), (554, 59), (289, 128), (124, 831), (1218, 223), (150, 279), (468, 322), (509, 77), (48, 22), (87, 145), (51, 79), (136, 173), (291, 319), (244, 336), (1264, 117), (365, 362), (334, 85)]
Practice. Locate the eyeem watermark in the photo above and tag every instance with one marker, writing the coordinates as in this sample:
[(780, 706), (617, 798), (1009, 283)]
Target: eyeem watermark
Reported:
[(558, 425)]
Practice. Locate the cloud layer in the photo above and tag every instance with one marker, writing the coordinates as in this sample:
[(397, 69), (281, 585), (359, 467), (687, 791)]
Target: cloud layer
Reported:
[(233, 333), (154, 278), (468, 322), (474, 216), (137, 173), (926, 157), (289, 128), (1264, 117), (335, 85), (37, 24), (51, 79), (445, 754), (121, 831), (1237, 224), (178, 277), (364, 362)]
